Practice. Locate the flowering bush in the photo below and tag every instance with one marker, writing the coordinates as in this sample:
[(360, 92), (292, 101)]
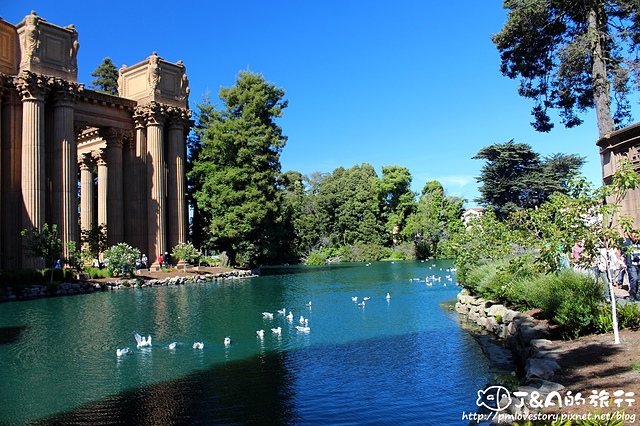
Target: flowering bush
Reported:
[(185, 252), (121, 259)]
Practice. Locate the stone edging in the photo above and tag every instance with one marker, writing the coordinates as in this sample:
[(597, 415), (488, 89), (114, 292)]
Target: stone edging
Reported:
[(526, 337), (81, 287)]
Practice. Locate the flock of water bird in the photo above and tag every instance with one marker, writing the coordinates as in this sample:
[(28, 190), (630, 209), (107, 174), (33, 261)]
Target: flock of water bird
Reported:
[(142, 342)]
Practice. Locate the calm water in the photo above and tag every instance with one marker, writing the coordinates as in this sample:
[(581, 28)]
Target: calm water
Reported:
[(397, 361)]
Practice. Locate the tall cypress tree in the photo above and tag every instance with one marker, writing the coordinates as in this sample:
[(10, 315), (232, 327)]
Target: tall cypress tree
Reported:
[(239, 167)]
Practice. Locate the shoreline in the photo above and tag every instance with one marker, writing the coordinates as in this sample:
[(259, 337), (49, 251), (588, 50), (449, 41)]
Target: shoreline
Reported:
[(143, 278), (557, 377)]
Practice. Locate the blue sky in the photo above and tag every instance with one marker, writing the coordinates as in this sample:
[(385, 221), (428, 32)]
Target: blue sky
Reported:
[(410, 83)]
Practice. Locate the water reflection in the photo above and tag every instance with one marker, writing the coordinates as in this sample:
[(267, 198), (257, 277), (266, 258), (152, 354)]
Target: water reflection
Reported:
[(10, 335), (252, 391)]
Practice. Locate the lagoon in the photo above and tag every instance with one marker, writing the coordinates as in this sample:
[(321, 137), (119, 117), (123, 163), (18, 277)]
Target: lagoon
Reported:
[(402, 360)]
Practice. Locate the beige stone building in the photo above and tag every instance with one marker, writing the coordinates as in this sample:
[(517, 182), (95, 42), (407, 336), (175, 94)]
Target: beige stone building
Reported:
[(78, 158), (623, 144)]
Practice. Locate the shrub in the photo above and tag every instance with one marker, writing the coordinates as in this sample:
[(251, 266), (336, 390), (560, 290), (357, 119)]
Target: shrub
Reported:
[(316, 258), (571, 300), (95, 273), (364, 252), (397, 255), (567, 298), (628, 315), (406, 250), (121, 258), (603, 322)]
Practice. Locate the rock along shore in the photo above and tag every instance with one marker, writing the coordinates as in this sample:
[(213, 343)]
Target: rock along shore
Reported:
[(526, 337), (90, 286)]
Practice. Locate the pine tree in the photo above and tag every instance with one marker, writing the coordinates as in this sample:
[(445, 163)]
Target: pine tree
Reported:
[(106, 80)]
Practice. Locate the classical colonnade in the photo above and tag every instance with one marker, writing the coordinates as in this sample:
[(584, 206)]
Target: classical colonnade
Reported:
[(140, 174), (79, 158)]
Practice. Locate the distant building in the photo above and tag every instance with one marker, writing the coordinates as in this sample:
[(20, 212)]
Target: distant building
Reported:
[(623, 144), (472, 213), (125, 154)]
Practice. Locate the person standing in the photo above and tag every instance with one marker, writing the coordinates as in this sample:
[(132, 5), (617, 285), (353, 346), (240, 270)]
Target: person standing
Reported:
[(632, 260), (576, 251)]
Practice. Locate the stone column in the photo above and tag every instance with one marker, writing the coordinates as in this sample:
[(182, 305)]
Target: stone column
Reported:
[(142, 189), (11, 181), (177, 231), (65, 178), (131, 196), (86, 193), (2, 195), (102, 188), (115, 200), (156, 207), (32, 88)]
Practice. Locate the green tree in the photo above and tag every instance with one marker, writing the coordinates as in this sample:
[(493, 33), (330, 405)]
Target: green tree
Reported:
[(349, 207), (43, 244), (185, 252), (302, 222), (240, 167), (552, 229), (436, 220), (106, 78), (121, 259), (204, 117), (515, 177), (94, 242), (398, 201), (572, 56), (485, 238)]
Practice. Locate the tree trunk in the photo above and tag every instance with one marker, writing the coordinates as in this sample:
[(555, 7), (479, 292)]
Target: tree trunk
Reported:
[(601, 84)]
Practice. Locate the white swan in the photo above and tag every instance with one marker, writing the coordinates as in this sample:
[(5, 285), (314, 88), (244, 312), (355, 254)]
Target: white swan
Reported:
[(301, 319), (309, 304), (123, 351), (361, 303), (198, 345), (290, 316), (267, 315), (303, 329), (141, 341), (282, 311), (354, 298), (227, 341), (388, 296), (366, 298), (173, 345), (260, 334), (277, 330)]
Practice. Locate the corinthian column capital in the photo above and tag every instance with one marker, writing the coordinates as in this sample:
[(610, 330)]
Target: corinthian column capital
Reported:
[(113, 136), (86, 161), (32, 86), (179, 118), (153, 114), (65, 92)]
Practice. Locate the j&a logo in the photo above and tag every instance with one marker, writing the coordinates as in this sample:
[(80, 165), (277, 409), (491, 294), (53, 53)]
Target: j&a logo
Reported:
[(494, 398)]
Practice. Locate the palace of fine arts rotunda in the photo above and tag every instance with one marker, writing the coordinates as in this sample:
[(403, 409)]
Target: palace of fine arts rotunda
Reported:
[(79, 158)]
